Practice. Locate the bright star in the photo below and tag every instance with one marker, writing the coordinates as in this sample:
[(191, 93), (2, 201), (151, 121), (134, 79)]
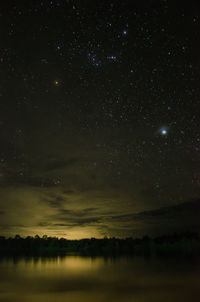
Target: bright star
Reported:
[(56, 83), (163, 130)]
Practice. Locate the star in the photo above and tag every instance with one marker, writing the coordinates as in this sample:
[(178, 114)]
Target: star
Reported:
[(112, 58), (163, 131), (94, 60), (56, 83)]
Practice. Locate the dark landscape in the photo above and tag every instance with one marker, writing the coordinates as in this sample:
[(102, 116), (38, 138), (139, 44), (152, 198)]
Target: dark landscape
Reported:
[(185, 244)]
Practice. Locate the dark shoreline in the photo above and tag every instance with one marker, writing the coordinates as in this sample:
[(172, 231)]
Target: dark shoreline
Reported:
[(182, 244)]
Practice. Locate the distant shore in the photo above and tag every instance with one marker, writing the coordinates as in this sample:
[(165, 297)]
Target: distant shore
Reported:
[(184, 244)]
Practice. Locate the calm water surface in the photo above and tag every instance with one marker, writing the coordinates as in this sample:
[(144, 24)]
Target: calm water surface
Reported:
[(86, 279)]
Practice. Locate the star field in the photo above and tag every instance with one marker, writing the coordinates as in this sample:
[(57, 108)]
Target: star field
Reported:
[(99, 110)]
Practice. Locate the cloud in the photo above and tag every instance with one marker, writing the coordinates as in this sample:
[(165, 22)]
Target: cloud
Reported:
[(74, 218), (61, 164), (24, 180), (83, 209), (54, 200), (74, 222), (77, 213)]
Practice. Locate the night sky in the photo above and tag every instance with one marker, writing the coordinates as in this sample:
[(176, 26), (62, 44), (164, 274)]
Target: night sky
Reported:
[(99, 116)]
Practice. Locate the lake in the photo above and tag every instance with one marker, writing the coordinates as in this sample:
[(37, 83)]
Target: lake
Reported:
[(85, 279)]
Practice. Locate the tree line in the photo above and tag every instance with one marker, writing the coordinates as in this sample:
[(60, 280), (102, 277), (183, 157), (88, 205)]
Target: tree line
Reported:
[(186, 243)]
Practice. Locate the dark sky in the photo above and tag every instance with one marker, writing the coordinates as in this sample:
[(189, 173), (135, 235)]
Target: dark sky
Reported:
[(99, 114)]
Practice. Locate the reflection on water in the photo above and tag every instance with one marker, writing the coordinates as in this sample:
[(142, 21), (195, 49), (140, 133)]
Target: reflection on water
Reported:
[(85, 279)]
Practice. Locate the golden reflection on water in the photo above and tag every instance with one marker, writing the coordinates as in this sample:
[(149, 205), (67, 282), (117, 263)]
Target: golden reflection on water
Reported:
[(86, 279)]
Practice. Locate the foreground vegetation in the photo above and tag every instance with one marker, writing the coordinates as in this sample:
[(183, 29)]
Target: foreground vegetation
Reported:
[(176, 244)]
